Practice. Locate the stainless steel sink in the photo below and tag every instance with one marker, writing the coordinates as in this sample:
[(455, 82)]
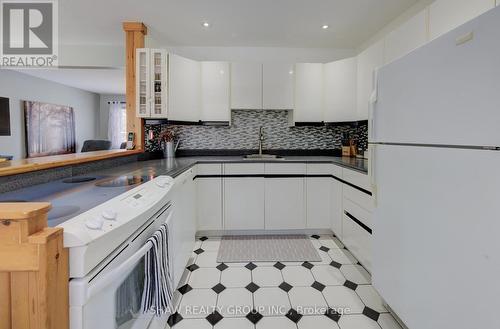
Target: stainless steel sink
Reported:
[(262, 157)]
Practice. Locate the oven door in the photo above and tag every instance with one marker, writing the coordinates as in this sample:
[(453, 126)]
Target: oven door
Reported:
[(110, 297)]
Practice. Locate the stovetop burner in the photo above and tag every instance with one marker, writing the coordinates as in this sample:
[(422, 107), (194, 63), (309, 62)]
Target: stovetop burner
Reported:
[(74, 180), (121, 181), (59, 214)]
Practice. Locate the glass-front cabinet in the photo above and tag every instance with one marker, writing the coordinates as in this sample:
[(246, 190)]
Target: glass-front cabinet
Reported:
[(151, 83)]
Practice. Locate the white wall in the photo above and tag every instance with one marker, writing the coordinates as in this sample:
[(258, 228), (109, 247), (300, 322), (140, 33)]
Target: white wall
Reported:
[(18, 87), (104, 113)]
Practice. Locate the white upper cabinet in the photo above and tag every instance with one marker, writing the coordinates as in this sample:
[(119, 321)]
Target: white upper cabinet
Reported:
[(151, 83), (246, 86), (308, 92), (445, 15), (368, 61), (278, 86), (185, 89), (340, 86), (215, 91), (407, 37)]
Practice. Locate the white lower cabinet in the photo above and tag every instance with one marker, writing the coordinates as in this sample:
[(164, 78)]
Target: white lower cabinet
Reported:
[(244, 197), (357, 240), (336, 207), (285, 203), (285, 196), (318, 194), (209, 197), (243, 203)]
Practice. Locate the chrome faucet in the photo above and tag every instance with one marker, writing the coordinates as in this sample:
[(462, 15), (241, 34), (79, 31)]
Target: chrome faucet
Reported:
[(261, 138)]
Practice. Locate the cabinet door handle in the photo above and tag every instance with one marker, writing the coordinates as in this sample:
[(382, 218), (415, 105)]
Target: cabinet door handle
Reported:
[(357, 221)]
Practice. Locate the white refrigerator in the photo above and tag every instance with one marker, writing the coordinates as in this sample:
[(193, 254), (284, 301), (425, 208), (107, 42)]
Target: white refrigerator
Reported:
[(435, 168)]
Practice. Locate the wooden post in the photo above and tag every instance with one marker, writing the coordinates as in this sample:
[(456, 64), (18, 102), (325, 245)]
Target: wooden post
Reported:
[(34, 269), (134, 38)]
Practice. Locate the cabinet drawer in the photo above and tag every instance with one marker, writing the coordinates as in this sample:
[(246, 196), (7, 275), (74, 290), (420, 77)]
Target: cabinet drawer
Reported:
[(358, 241), (359, 213), (209, 169), (286, 168), (337, 171), (356, 178), (360, 198), (319, 168), (243, 168)]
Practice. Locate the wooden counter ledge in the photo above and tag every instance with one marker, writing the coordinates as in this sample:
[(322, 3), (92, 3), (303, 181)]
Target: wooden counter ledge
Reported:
[(15, 167)]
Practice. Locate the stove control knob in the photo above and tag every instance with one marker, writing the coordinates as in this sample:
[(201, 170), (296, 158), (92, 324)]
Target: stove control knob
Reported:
[(94, 223), (109, 214), (162, 182)]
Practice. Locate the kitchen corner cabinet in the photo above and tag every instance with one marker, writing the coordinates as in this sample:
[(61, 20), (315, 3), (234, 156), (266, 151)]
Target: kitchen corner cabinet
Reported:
[(209, 196), (151, 83), (445, 15), (340, 84), (278, 86), (407, 37), (215, 92), (246, 86), (368, 61), (185, 89), (285, 206), (308, 93), (243, 197)]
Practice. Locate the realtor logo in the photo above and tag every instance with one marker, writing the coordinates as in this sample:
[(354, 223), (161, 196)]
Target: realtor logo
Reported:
[(29, 33)]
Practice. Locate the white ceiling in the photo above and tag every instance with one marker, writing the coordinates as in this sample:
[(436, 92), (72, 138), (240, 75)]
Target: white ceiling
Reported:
[(234, 23), (100, 81), (259, 23)]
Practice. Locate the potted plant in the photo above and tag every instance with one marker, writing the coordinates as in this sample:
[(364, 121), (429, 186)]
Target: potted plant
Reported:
[(167, 139)]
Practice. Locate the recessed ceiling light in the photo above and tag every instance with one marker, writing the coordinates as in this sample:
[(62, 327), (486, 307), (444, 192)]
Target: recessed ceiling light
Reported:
[(206, 24), (325, 26)]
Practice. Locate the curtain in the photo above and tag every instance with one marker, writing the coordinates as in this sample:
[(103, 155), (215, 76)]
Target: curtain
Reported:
[(117, 124)]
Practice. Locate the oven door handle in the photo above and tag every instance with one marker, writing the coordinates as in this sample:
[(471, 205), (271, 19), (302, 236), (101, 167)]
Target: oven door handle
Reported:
[(118, 272)]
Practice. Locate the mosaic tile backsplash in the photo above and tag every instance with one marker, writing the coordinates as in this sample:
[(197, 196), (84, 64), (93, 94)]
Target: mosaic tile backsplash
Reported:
[(244, 130)]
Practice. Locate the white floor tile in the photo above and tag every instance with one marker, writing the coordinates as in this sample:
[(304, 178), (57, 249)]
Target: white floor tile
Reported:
[(325, 258), (342, 256), (356, 274), (211, 245), (236, 277), (387, 321), (233, 323), (297, 276), (371, 298), (204, 277), (235, 302), (317, 322), (275, 322), (193, 323), (198, 303), (357, 321), (328, 275), (342, 298), (265, 276), (307, 301), (271, 301), (207, 259)]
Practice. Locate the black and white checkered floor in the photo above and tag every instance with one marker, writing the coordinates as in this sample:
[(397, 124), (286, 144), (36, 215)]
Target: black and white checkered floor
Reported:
[(333, 293)]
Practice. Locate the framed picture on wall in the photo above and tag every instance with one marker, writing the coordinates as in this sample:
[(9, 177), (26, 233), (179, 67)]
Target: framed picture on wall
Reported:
[(4, 117), (50, 129)]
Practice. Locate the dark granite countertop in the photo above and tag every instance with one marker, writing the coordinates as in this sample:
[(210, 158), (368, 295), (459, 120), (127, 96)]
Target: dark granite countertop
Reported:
[(176, 166)]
